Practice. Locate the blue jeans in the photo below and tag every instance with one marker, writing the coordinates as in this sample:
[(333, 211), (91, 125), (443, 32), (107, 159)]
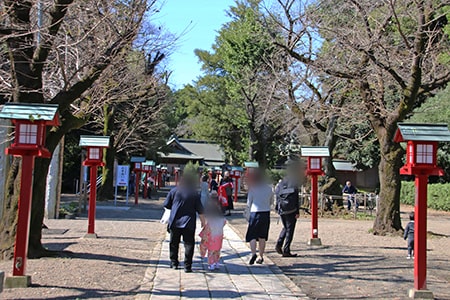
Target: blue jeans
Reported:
[(350, 199)]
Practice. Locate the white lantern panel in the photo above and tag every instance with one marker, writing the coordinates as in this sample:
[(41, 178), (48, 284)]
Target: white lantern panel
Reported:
[(94, 153), (424, 154), (315, 163), (28, 134)]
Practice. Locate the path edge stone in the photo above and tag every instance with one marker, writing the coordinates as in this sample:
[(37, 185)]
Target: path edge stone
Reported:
[(147, 282)]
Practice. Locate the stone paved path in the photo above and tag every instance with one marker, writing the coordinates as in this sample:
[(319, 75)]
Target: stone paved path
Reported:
[(234, 280)]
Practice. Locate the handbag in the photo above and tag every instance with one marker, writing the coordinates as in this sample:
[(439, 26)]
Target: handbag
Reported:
[(165, 217), (246, 213)]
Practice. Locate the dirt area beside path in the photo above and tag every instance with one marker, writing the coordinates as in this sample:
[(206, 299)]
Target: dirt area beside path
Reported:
[(354, 264), (111, 266)]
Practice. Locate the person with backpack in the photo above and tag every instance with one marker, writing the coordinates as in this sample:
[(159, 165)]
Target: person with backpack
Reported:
[(288, 207)]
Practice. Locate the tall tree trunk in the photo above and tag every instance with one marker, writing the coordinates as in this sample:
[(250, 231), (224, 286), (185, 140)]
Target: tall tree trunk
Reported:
[(106, 190), (35, 248), (332, 186), (388, 212), (9, 219)]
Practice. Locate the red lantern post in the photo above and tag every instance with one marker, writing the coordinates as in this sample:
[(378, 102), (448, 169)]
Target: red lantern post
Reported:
[(159, 177), (137, 160), (421, 161), (314, 169), (137, 171), (145, 169), (94, 159), (236, 175), (177, 175), (30, 122)]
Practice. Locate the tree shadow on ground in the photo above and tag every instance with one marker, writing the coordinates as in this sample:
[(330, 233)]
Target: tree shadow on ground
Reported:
[(111, 258), (86, 293)]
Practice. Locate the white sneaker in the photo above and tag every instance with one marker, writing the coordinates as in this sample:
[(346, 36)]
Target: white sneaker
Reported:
[(408, 257), (211, 267), (216, 266)]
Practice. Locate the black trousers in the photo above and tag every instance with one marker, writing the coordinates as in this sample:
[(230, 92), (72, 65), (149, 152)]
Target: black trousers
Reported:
[(189, 244), (287, 233)]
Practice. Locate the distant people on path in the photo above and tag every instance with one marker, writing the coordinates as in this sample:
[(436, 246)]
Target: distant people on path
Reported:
[(212, 233), (132, 183), (227, 183), (350, 191), (184, 203), (226, 167), (288, 207), (213, 185), (409, 235), (259, 201), (204, 190)]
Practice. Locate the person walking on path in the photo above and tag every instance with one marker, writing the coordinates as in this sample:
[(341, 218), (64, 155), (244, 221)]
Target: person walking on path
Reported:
[(184, 203), (350, 191), (212, 233), (409, 235), (204, 190), (259, 201), (214, 186), (131, 183), (288, 207), (228, 183)]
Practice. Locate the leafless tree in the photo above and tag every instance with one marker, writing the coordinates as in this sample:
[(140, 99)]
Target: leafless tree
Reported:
[(391, 52), (54, 52)]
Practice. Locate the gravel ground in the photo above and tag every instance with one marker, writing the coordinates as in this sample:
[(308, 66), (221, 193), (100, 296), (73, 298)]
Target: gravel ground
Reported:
[(354, 264), (111, 266)]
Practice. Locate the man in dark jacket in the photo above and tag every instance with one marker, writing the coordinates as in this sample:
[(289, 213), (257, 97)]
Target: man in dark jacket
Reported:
[(287, 206), (350, 191), (184, 203)]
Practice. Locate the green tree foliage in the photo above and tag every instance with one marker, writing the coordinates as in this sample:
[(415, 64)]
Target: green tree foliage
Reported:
[(437, 197), (233, 103)]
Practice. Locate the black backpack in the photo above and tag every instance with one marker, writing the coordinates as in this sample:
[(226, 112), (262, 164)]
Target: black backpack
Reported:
[(287, 198)]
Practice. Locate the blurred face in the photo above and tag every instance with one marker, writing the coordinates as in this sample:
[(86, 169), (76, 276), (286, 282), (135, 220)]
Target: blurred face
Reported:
[(296, 171), (349, 183), (227, 174)]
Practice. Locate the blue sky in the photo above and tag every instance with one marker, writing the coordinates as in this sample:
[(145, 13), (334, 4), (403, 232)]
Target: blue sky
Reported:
[(202, 19)]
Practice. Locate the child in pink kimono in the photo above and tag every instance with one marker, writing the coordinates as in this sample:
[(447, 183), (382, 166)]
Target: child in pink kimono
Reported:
[(212, 234)]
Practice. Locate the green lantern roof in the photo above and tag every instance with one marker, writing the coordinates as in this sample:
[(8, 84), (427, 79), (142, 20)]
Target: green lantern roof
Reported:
[(137, 159), (251, 164), (31, 112), (422, 132), (149, 163), (94, 141), (312, 151)]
